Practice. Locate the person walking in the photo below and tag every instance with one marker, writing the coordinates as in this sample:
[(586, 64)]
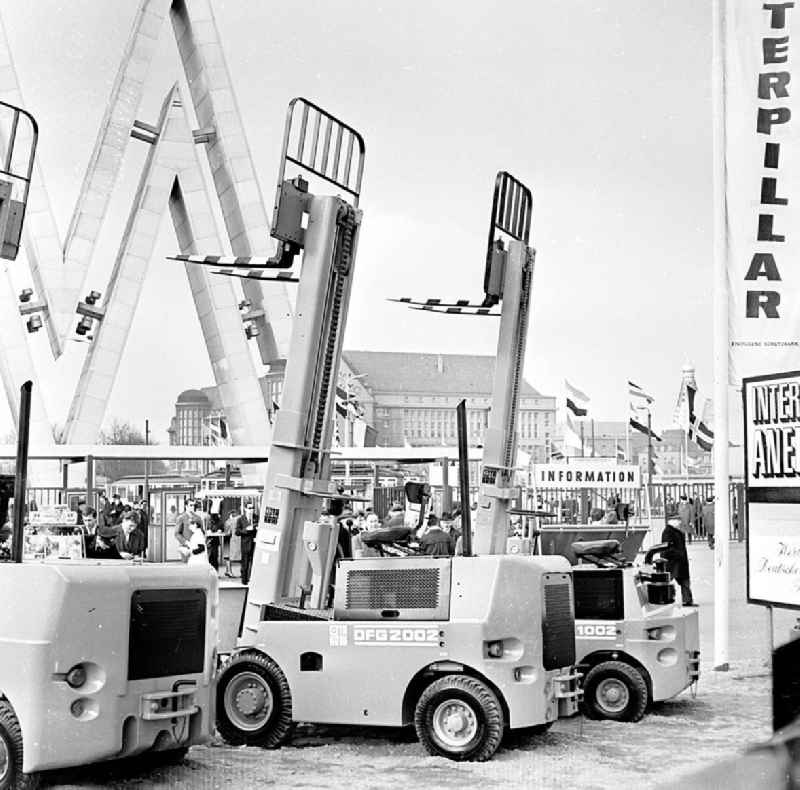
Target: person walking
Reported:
[(677, 558), (246, 526), (708, 520)]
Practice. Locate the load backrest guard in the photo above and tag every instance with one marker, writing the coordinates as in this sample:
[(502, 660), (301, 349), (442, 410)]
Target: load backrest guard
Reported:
[(20, 136), (512, 205)]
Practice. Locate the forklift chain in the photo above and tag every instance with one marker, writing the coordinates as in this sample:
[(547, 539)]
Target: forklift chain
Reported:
[(519, 353), (342, 261)]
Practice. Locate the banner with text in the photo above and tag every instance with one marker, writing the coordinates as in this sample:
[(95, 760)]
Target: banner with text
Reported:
[(762, 159), (772, 478), (587, 474)]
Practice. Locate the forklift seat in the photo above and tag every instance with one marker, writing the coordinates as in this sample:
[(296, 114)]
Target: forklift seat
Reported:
[(597, 548), (385, 535)]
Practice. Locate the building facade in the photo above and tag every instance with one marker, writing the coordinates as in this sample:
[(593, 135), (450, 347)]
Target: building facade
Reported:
[(397, 399), (411, 399)]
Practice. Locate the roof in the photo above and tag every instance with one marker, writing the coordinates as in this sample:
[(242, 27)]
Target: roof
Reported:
[(192, 396), (397, 371)]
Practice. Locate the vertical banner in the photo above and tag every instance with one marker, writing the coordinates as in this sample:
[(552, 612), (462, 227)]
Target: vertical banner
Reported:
[(762, 189), (772, 480)]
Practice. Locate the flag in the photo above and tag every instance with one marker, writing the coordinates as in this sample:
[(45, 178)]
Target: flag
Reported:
[(638, 395), (699, 432), (636, 423), (556, 455), (572, 437), (217, 430), (346, 404), (577, 401), (621, 453)]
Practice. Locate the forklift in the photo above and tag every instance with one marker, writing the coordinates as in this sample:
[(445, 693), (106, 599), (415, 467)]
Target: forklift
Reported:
[(99, 659), (635, 645), (438, 642)]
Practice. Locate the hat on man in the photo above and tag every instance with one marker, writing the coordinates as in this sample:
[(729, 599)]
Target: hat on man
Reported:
[(674, 522)]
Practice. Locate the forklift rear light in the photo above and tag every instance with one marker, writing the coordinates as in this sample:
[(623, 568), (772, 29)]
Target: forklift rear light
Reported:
[(76, 676), (495, 649), (663, 633)]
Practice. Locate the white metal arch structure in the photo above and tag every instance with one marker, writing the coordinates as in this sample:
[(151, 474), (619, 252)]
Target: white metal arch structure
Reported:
[(58, 271), (172, 178)]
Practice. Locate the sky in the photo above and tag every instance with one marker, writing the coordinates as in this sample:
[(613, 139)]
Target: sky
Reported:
[(602, 108)]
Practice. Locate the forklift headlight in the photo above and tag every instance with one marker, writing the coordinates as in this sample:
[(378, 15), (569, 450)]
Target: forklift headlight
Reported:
[(495, 649), (76, 676)]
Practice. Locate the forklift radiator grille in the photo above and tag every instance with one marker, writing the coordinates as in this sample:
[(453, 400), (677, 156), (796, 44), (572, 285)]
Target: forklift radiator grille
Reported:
[(400, 588), (167, 633), (558, 626)]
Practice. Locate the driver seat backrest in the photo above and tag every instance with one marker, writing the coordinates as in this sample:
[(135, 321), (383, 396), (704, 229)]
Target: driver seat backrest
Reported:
[(605, 553)]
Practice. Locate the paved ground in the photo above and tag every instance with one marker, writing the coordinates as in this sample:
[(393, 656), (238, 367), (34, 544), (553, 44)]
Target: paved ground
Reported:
[(731, 710)]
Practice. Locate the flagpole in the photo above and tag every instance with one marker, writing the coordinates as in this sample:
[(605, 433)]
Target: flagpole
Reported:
[(628, 442), (721, 340), (649, 457)]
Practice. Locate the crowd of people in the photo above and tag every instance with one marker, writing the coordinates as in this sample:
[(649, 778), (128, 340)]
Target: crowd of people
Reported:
[(695, 514), (203, 533), (115, 530), (437, 537)]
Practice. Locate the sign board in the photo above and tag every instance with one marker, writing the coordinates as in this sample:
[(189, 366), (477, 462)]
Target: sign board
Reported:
[(762, 186), (772, 483), (589, 473)]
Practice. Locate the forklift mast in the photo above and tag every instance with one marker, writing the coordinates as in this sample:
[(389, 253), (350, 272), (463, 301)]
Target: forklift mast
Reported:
[(326, 228), (508, 278)]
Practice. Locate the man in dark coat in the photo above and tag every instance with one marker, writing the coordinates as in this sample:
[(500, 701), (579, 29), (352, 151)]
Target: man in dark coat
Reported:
[(246, 527), (677, 558)]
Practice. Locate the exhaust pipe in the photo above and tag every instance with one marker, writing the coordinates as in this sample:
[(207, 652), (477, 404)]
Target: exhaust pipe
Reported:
[(21, 471)]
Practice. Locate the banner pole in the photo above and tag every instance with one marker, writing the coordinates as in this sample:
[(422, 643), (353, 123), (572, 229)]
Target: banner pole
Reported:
[(721, 339)]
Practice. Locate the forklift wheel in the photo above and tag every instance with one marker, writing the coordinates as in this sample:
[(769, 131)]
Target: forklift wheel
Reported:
[(254, 703), (615, 690), (459, 717), (11, 775)]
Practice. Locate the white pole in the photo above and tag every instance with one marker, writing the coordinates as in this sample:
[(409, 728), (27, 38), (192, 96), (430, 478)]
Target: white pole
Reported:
[(722, 504)]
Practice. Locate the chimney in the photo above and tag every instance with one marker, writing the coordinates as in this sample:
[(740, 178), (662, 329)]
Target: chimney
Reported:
[(439, 363)]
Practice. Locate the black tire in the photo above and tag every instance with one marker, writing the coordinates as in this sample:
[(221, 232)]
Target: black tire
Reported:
[(254, 702), (616, 691), (456, 697), (11, 776)]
